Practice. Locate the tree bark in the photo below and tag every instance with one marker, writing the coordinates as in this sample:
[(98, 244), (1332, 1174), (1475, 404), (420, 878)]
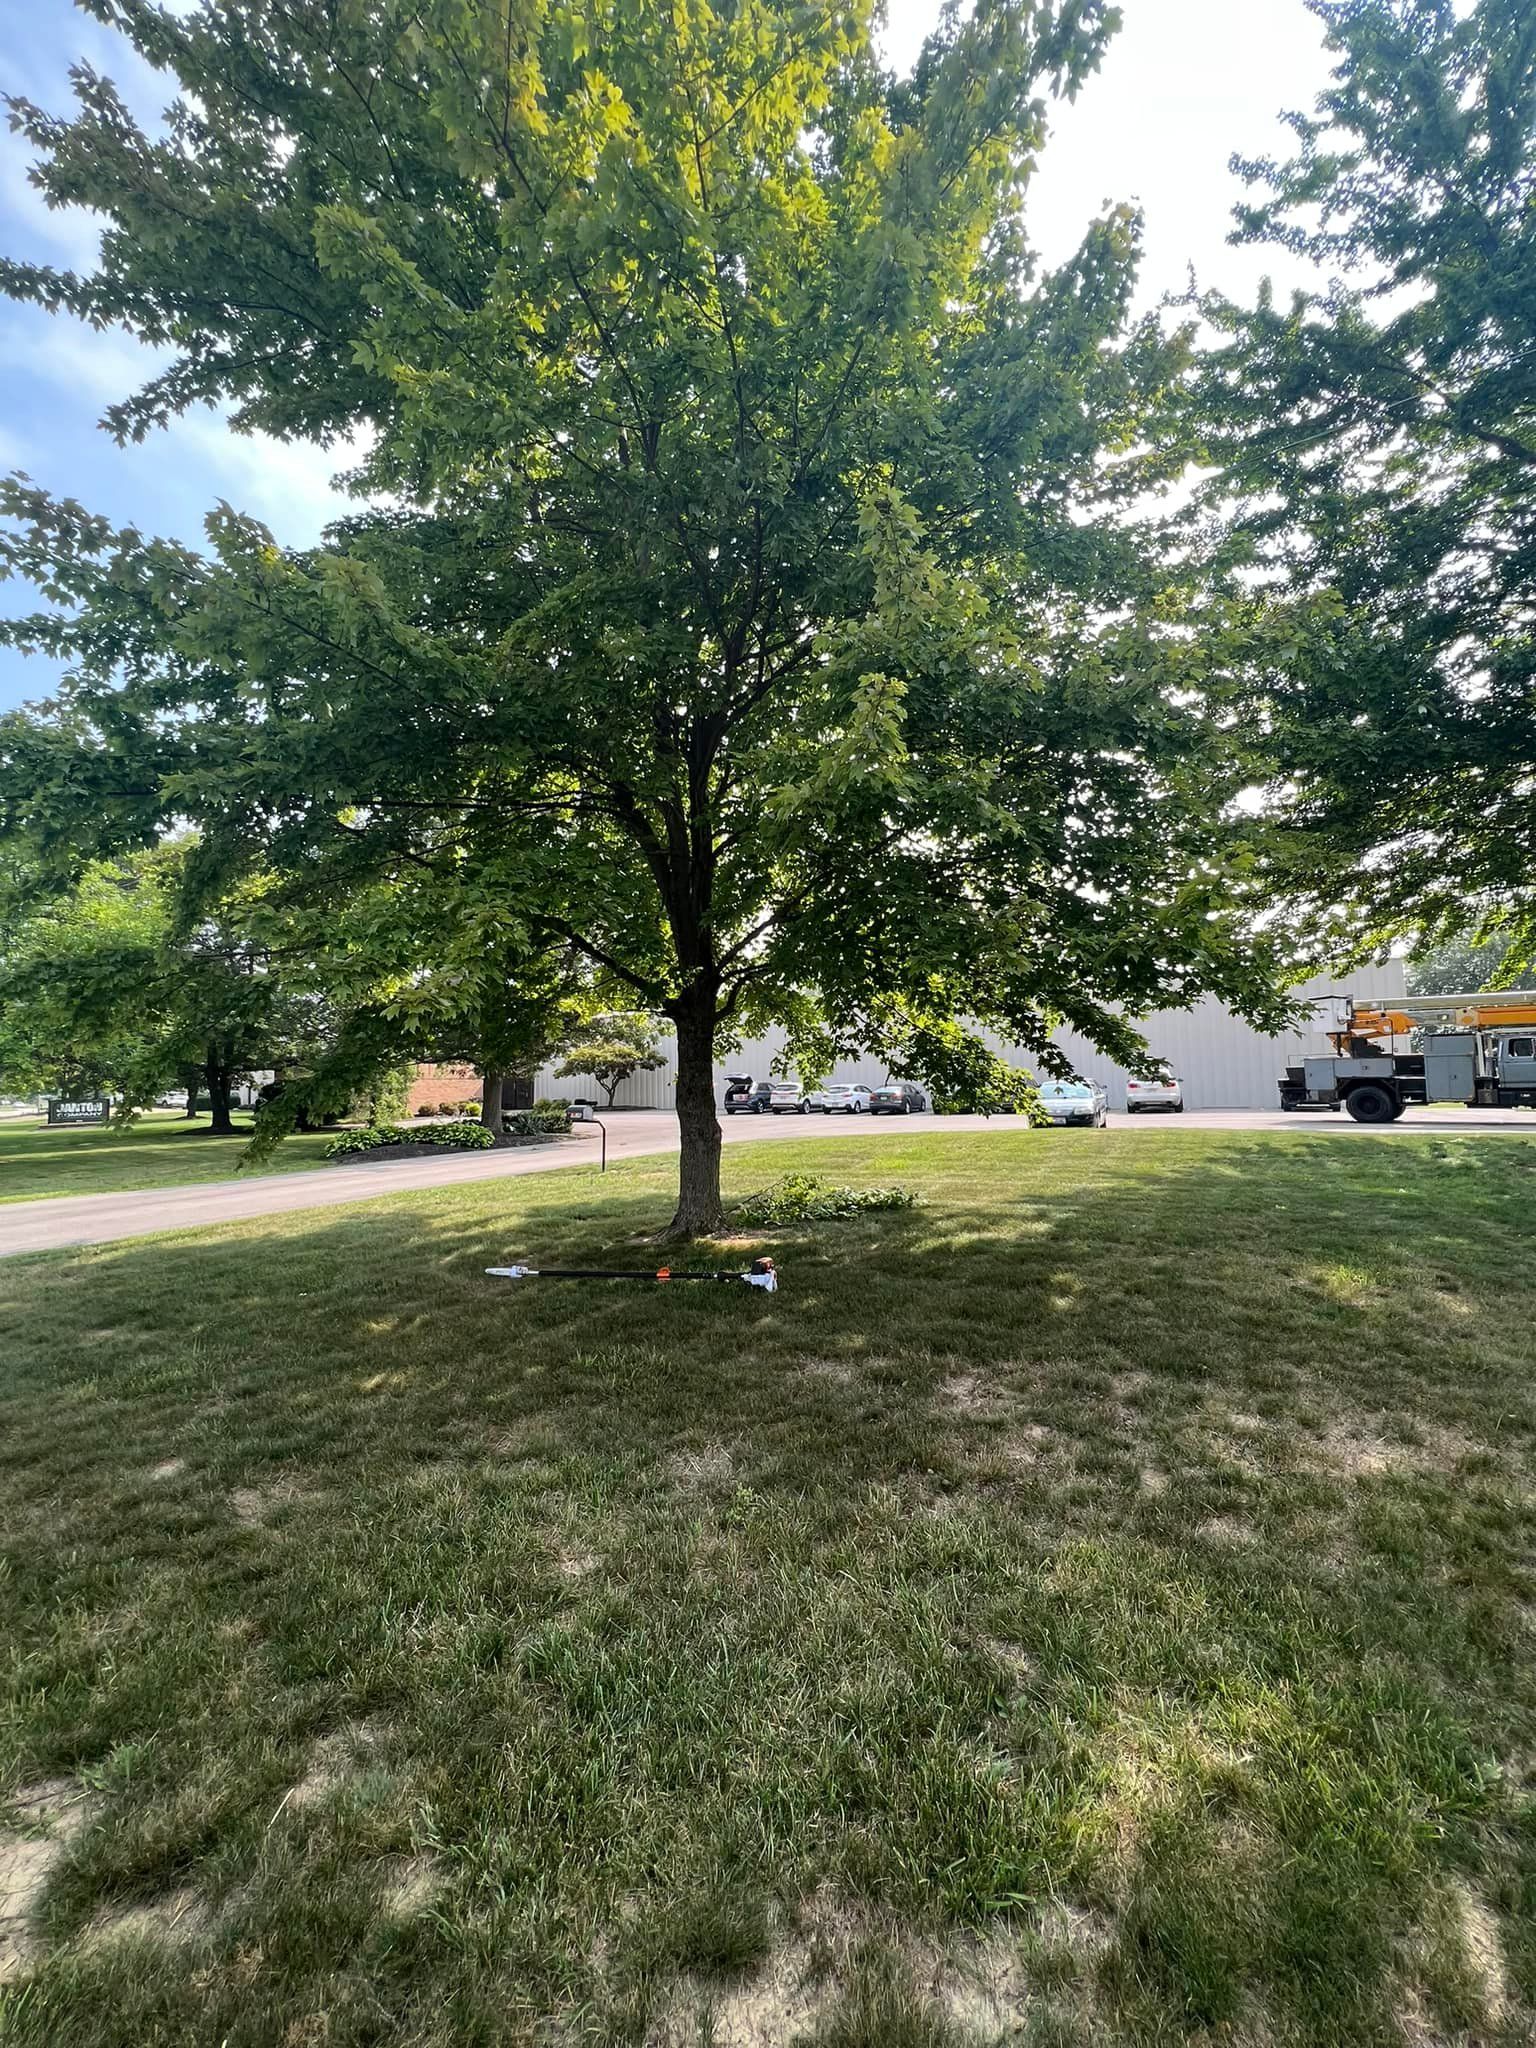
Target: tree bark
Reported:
[(699, 1208), (220, 1080), (492, 1085)]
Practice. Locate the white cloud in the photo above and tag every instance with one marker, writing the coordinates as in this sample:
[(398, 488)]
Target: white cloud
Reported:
[(97, 367), (286, 484), (68, 235)]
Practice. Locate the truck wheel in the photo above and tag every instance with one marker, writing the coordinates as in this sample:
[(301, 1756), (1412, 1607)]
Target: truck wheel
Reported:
[(1372, 1105)]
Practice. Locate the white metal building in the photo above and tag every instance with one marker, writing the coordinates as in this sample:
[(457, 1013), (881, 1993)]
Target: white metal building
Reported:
[(1223, 1062)]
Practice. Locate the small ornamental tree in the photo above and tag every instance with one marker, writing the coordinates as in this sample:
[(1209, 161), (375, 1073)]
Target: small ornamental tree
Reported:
[(611, 1049), (741, 589)]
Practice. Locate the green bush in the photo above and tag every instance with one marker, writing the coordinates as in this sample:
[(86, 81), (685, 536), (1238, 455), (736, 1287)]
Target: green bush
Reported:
[(460, 1137), (807, 1198), (544, 1120), (391, 1092)]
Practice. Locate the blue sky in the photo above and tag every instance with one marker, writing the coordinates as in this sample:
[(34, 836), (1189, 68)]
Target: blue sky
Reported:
[(1187, 82)]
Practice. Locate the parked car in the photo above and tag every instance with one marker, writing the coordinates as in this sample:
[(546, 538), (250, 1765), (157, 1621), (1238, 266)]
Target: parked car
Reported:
[(841, 1098), (1075, 1102), (897, 1098), (787, 1098), (744, 1096), (1166, 1092)]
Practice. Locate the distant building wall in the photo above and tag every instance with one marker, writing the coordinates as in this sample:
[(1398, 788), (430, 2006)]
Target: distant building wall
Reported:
[(1223, 1062), (435, 1085)]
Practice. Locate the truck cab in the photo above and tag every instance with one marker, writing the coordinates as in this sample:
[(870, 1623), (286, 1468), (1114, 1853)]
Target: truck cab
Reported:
[(1515, 1066)]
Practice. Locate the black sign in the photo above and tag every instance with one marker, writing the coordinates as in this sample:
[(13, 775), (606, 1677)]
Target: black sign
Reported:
[(83, 1111)]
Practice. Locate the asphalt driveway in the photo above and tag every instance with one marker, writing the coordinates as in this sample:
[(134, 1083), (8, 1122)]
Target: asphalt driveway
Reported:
[(62, 1221)]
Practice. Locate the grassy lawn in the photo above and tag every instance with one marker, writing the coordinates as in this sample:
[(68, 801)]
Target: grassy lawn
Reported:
[(1096, 1607), (162, 1150)]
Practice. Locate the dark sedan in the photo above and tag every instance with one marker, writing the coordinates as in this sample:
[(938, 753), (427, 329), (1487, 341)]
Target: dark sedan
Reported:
[(897, 1098)]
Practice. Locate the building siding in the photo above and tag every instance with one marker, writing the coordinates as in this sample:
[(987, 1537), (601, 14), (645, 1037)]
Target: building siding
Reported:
[(1223, 1062)]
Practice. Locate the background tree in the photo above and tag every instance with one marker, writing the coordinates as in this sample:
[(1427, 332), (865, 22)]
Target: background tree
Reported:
[(426, 965), (1458, 966), (612, 1048), (741, 590), (78, 1015), (108, 987), (1376, 446)]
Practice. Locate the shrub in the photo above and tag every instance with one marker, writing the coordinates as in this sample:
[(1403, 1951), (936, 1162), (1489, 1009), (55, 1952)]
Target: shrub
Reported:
[(469, 1108), (426, 1109), (458, 1137), (391, 1092), (544, 1120), (454, 1108), (807, 1198)]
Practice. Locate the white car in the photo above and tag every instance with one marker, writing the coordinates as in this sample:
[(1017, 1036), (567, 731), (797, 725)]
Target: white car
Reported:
[(1166, 1092), (846, 1098), (1075, 1102), (786, 1099)]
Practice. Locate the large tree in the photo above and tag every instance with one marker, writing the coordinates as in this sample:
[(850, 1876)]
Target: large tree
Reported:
[(742, 588), (1375, 446)]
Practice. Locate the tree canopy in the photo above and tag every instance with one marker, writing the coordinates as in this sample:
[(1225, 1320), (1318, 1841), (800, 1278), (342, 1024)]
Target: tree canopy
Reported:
[(111, 987), (1375, 441), (743, 589)]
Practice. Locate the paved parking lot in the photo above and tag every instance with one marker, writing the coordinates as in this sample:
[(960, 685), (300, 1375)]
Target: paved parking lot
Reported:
[(102, 1219)]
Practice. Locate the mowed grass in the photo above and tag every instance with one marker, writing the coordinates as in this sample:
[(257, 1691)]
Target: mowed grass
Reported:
[(1096, 1607), (161, 1150)]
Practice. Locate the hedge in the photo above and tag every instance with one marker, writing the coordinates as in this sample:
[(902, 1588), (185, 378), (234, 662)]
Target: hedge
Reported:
[(459, 1137)]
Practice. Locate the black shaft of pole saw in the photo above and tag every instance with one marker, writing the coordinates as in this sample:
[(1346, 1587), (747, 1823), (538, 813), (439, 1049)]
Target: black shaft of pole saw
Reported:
[(591, 1273)]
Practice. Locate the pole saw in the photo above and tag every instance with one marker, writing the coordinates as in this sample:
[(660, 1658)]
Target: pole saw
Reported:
[(760, 1274)]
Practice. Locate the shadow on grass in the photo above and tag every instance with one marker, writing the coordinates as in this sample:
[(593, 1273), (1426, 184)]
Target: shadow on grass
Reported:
[(1149, 1527)]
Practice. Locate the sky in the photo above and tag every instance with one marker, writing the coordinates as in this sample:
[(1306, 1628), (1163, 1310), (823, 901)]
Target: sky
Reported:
[(1186, 83)]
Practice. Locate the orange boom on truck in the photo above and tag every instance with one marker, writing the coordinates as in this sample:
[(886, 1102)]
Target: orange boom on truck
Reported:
[(1475, 1049)]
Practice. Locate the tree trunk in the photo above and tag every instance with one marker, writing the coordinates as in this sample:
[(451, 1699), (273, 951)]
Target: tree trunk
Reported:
[(699, 1208), (492, 1085), (220, 1081), (191, 1078)]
